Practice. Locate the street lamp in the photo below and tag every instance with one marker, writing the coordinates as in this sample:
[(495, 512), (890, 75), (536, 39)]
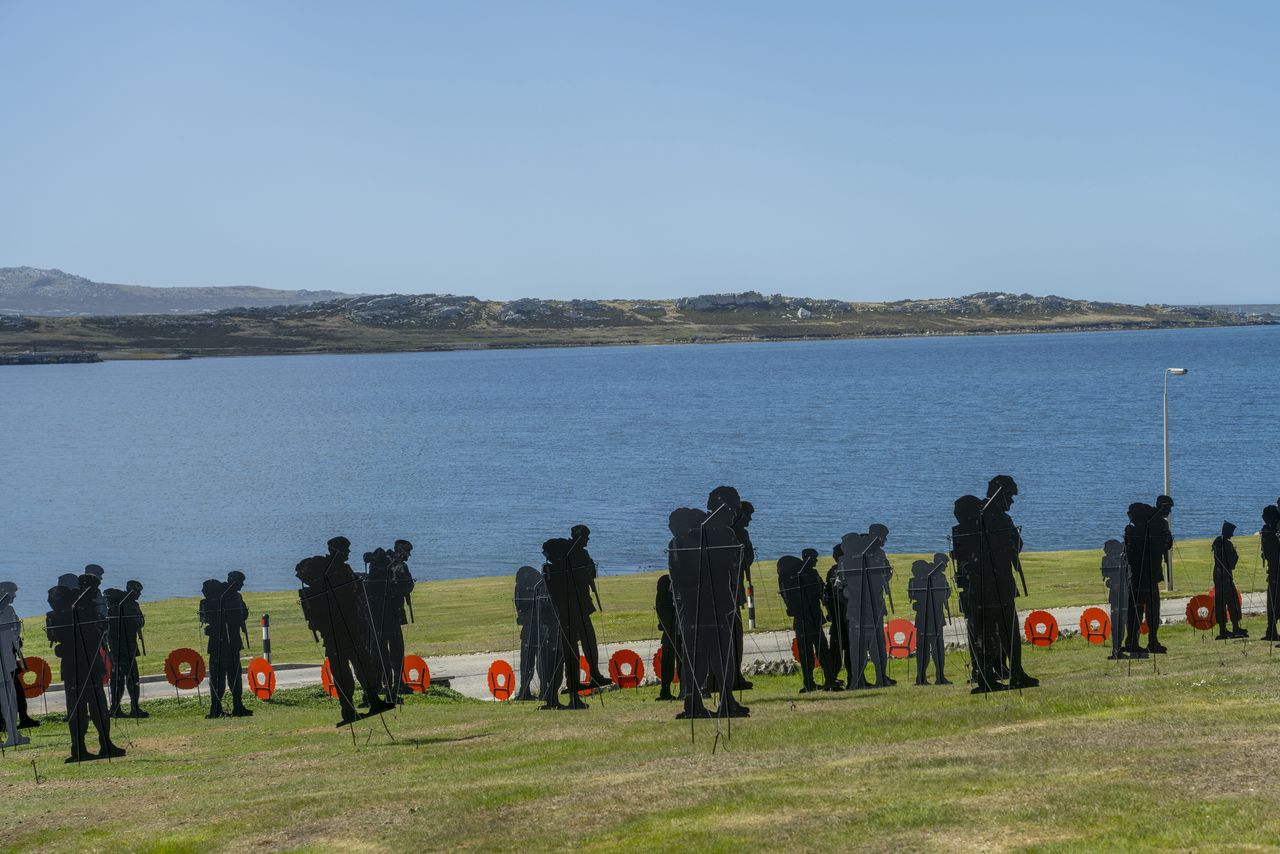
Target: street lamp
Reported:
[(1177, 372)]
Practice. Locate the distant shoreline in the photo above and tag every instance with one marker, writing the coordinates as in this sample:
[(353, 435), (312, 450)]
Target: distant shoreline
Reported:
[(90, 354), (409, 323)]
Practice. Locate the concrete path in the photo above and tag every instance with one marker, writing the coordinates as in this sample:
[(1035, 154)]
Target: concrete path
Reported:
[(468, 674)]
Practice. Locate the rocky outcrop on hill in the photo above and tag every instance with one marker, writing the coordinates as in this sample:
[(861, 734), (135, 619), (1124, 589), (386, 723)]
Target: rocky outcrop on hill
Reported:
[(723, 302), (443, 311), (984, 303), (523, 310), (558, 313), (754, 301)]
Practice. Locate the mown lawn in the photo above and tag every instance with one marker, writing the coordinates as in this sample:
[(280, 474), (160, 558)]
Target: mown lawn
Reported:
[(1178, 754), (476, 615)]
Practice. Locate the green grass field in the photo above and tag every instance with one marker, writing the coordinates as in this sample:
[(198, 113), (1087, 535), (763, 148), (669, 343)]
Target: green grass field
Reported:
[(1104, 756), (477, 615)]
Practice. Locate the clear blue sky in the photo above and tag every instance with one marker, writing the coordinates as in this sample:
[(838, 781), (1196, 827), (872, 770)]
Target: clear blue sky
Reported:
[(1125, 151)]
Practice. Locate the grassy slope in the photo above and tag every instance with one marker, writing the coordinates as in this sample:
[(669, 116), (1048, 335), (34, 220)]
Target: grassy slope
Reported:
[(334, 333), (476, 614), (1102, 757)]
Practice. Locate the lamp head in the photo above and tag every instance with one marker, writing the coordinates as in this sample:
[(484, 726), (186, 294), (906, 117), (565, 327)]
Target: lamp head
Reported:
[(1177, 372)]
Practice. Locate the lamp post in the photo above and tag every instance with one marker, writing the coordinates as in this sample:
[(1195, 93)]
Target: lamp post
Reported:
[(1177, 372)]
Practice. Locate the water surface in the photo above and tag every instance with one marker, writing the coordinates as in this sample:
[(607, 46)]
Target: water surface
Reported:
[(173, 471)]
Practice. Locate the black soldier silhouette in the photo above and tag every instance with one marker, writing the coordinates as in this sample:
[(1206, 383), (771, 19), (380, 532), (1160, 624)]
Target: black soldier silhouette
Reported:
[(1002, 542), (704, 559), (539, 635), (528, 582), (664, 605), (863, 577), (1145, 545), (223, 613), (1226, 597), (833, 601), (929, 593), (801, 592), (330, 603), (210, 615), (725, 502), (1163, 532), (236, 613), (584, 573), (879, 561), (815, 591), (78, 635), (742, 521), (90, 617), (1270, 546), (387, 591), (1115, 572), (565, 588), (979, 596), (60, 626), (378, 559), (25, 721), (124, 635), (10, 665)]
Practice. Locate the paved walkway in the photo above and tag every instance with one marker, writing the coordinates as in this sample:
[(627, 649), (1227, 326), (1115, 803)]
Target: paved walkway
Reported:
[(468, 674)]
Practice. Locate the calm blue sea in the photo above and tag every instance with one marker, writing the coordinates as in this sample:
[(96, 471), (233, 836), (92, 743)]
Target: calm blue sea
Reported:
[(170, 472)]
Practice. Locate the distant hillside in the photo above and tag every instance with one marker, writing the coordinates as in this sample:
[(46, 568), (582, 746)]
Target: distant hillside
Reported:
[(391, 323), (1251, 308), (53, 293)]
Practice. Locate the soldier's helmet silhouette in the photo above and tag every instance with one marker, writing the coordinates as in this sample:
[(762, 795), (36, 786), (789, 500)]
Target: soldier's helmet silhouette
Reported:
[(664, 586), (1002, 485), (724, 496)]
